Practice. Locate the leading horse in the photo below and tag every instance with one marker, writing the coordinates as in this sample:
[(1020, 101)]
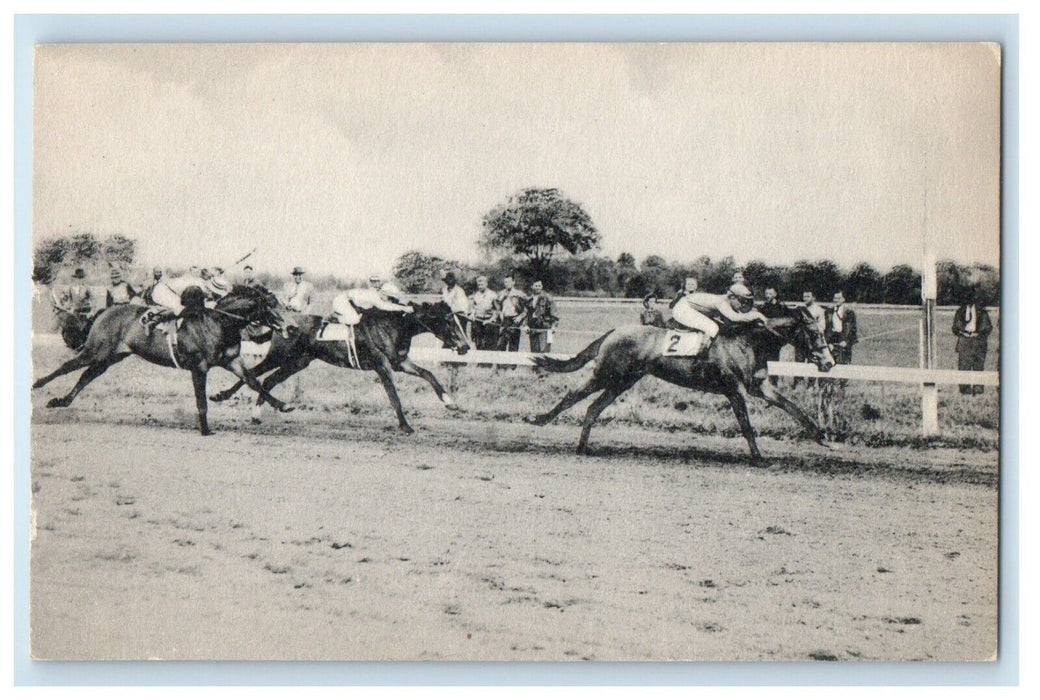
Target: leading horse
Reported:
[(735, 366), (207, 338), (383, 340)]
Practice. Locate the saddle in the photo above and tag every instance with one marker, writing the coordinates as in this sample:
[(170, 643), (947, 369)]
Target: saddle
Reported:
[(336, 331), (680, 341)]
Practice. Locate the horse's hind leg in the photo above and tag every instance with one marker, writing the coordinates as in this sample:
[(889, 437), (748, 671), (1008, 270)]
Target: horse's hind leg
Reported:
[(597, 407), (738, 400), (93, 372), (570, 399), (229, 392), (78, 362)]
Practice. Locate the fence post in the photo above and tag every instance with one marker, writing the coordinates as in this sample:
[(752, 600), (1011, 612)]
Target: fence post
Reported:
[(929, 391)]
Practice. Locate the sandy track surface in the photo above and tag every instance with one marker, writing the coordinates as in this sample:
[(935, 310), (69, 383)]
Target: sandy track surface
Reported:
[(339, 539)]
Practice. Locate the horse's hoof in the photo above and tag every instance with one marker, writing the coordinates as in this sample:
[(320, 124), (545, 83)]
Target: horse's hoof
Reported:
[(286, 408), (582, 450), (206, 433), (218, 397), (56, 403), (407, 429)]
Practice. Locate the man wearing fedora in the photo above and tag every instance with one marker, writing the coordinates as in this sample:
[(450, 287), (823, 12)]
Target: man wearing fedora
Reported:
[(298, 292), (119, 292), (972, 326), (74, 297)]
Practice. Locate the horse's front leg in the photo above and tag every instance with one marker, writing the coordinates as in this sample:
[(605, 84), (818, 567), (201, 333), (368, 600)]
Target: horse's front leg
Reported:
[(385, 372), (409, 367), (198, 380), (768, 392), (238, 368)]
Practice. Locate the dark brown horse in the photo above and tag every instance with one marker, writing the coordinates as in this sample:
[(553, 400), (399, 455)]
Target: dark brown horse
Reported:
[(207, 338), (383, 339), (735, 366)]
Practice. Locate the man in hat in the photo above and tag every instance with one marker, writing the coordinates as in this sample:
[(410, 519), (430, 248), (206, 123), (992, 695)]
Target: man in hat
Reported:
[(74, 297), (119, 292), (298, 292), (841, 330), (512, 311), (483, 302), (972, 326), (651, 315), (705, 312), (541, 318)]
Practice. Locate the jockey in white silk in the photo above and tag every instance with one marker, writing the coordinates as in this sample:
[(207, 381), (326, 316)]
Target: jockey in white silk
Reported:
[(704, 312), (375, 295), (167, 292)]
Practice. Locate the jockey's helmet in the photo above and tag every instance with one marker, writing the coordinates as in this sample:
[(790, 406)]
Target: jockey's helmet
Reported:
[(742, 297)]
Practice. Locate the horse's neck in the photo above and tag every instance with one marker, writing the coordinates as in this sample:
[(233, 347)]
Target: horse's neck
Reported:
[(767, 342)]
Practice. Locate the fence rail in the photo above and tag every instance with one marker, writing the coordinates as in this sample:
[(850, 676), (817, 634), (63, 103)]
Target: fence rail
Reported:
[(870, 373)]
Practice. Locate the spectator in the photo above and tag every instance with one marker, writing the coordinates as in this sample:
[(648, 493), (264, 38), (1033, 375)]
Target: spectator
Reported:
[(248, 278), (453, 295), (817, 312), (738, 278), (541, 319), (841, 331), (689, 287), (75, 297), (650, 315), (119, 292), (972, 326), (298, 292), (512, 305), (483, 302), (157, 277), (773, 307)]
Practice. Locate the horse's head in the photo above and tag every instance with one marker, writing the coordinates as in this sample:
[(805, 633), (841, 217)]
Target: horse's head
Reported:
[(809, 337), (256, 306), (439, 319)]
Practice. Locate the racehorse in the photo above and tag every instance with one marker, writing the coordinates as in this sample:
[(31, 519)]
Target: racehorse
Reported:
[(383, 339), (735, 366), (206, 338)]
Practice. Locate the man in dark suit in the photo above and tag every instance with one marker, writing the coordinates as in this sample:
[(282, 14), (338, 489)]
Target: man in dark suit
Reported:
[(841, 330), (972, 326), (773, 307), (541, 318)]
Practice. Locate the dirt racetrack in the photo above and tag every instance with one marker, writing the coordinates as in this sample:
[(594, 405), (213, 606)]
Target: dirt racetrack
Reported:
[(326, 536)]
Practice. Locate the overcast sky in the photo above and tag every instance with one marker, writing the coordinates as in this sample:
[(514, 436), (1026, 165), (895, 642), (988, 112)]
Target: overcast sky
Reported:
[(341, 157)]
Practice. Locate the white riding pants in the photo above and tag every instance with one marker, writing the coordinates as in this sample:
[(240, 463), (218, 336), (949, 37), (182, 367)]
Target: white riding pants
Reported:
[(164, 296), (692, 318), (343, 310)]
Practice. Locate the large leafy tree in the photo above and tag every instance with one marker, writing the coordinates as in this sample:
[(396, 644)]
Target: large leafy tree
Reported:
[(417, 272), (537, 224)]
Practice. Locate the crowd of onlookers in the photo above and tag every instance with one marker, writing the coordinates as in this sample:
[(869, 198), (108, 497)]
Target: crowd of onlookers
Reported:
[(499, 318)]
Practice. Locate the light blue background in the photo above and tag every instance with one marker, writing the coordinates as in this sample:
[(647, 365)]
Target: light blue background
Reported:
[(30, 30)]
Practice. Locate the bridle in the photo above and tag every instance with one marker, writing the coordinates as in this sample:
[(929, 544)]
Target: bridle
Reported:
[(426, 327)]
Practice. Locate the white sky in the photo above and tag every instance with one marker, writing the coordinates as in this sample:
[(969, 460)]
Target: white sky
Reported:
[(341, 157)]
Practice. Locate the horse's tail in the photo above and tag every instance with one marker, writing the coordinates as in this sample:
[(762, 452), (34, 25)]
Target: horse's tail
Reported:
[(574, 363)]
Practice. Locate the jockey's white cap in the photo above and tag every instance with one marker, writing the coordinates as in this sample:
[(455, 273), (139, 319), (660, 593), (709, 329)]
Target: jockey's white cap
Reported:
[(375, 277), (740, 291)]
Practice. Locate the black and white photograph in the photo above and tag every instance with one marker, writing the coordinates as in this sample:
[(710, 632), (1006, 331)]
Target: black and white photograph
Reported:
[(516, 351)]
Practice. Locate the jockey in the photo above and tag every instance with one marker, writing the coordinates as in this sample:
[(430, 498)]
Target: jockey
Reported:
[(704, 312), (346, 307), (169, 293)]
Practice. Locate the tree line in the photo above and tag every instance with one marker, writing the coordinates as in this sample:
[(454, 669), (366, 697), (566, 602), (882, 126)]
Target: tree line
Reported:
[(539, 233), (600, 276)]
